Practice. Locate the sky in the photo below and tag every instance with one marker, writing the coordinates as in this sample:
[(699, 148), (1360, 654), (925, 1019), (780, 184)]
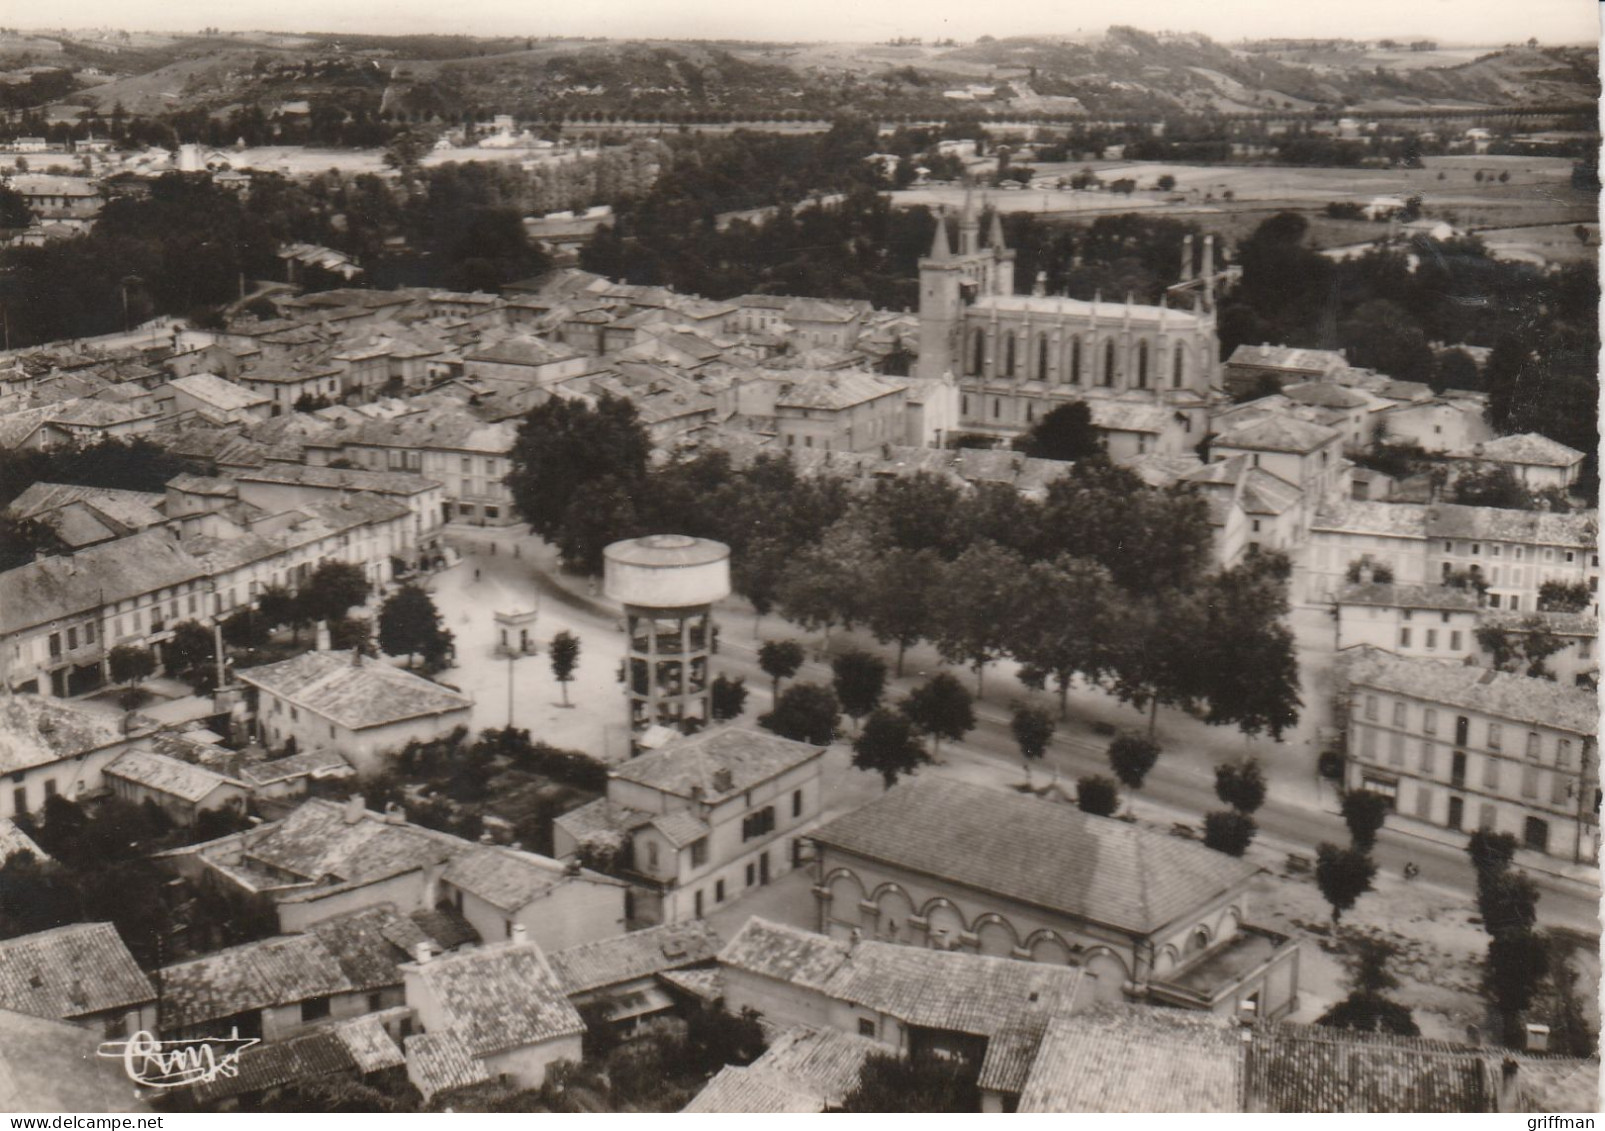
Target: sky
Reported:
[(1471, 22)]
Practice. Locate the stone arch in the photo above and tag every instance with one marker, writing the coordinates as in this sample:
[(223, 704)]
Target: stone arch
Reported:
[(944, 923), (1111, 972), (1178, 376), (1229, 924), (1142, 364), (896, 909), (1165, 961), (1108, 363), (846, 892), (977, 352), (1197, 941), (1047, 946), (1010, 343), (997, 936), (1075, 360), (1042, 357)]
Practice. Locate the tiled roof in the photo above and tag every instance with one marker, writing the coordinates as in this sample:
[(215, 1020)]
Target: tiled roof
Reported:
[(681, 827), (1496, 524), (356, 696), (318, 840), (338, 478), (1529, 448), (440, 1061), (1308, 1068), (508, 879), (1109, 314), (1277, 434), (754, 1091), (133, 509), (50, 1065), (696, 761), (51, 588), (608, 962), (500, 997), (1038, 852), (370, 1045), (314, 763), (837, 389), (1325, 394), (1390, 596), (39, 730), (707, 985), (1562, 624), (1396, 520), (784, 953), (1133, 1058), (303, 1057), (72, 971), (1123, 416), (217, 391), (183, 780), (1287, 357), (1537, 702), (826, 1062), (524, 351), (13, 840)]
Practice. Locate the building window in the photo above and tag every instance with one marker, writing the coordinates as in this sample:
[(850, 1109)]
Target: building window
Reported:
[(1075, 361), (1042, 357), (1515, 602), (796, 803), (468, 466), (1371, 707), (1368, 744), (1490, 773), (652, 855), (718, 891), (1396, 749), (758, 824), (1142, 364), (1428, 757), (1179, 372), (89, 634), (1534, 746), (72, 639), (1424, 803), (1485, 816), (1432, 638), (699, 852), (1454, 641), (55, 644), (50, 788), (19, 801), (997, 408), (1529, 782), (1557, 789), (1109, 363), (977, 353), (697, 902), (1429, 721), (1563, 753), (866, 1027), (1008, 354), (1400, 714), (752, 874), (1495, 736), (315, 1010)]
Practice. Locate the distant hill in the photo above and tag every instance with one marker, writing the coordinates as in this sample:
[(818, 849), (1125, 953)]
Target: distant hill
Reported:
[(1121, 71)]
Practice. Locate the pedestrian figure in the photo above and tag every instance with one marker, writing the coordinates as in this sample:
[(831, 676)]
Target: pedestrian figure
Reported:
[(476, 573)]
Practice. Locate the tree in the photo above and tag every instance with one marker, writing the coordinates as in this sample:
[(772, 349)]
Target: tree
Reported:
[(1063, 433), (129, 664), (14, 211), (601, 512), (1155, 656), (780, 659), (278, 606), (942, 708), (26, 540), (565, 444), (564, 652), (1381, 572), (332, 589), (973, 627), (1524, 647), (1491, 485), (807, 712), (1033, 730), (1166, 182), (409, 623), (1241, 785), (1564, 597), (1247, 666), (889, 1082), (900, 592), (1132, 756), (1518, 960), (1367, 1008), (1364, 812), (1066, 623), (822, 586), (728, 698), (859, 680), (889, 746), (1343, 875), (1229, 830), (1508, 901), (1490, 852), (1097, 795)]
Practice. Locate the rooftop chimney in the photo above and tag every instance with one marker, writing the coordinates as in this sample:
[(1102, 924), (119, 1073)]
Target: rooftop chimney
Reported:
[(421, 953), (321, 640), (571, 867), (395, 814), (722, 781), (356, 806), (520, 934)]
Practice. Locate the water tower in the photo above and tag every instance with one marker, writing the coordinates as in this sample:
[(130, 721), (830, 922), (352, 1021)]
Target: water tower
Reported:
[(667, 584)]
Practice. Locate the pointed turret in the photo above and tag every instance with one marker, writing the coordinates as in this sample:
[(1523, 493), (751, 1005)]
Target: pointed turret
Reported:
[(1041, 287), (969, 226), (1187, 257), (940, 248), (995, 236)]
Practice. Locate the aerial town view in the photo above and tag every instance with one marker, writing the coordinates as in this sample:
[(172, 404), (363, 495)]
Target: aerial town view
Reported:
[(915, 560)]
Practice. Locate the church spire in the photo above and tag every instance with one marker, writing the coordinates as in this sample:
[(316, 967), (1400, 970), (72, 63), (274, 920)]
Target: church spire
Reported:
[(995, 237), (969, 226)]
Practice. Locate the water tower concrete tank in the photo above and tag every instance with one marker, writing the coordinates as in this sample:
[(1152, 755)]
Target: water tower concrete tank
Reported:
[(668, 584)]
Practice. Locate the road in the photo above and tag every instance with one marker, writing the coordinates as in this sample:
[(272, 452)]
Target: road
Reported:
[(1182, 782)]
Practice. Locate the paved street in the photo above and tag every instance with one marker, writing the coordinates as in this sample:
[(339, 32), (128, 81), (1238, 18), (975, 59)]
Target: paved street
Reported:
[(1299, 814)]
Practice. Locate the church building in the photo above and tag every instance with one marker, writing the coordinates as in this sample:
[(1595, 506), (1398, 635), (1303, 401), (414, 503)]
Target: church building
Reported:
[(1017, 357)]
